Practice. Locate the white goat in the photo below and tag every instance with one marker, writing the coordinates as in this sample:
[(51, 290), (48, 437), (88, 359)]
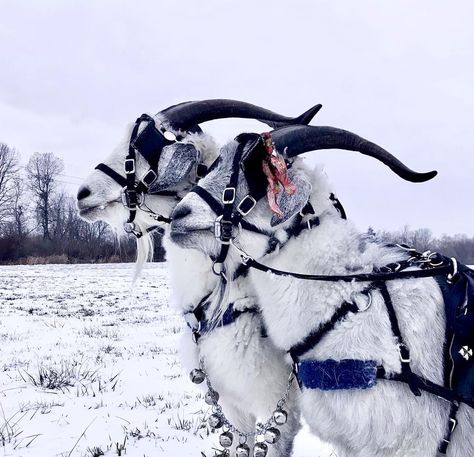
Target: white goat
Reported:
[(247, 370), (386, 420)]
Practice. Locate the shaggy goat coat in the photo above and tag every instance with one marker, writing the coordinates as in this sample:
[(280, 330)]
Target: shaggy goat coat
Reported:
[(387, 420), (247, 370)]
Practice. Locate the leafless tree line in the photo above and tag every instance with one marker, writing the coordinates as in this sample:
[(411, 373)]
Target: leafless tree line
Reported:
[(38, 219)]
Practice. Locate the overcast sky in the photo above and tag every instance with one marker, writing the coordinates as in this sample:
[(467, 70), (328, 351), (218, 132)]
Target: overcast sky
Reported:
[(399, 73)]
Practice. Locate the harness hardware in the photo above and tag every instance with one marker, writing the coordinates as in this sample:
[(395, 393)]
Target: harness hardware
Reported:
[(246, 205), (369, 302), (149, 143), (224, 230), (404, 353), (452, 276), (131, 199), (228, 195)]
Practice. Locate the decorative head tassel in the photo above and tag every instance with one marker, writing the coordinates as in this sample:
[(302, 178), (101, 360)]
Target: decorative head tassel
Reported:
[(276, 171)]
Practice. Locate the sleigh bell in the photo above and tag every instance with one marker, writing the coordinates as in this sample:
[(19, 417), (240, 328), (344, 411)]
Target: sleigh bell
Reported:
[(211, 398), (272, 435), (242, 450), (280, 416), (215, 421), (226, 439), (260, 450), (197, 376)]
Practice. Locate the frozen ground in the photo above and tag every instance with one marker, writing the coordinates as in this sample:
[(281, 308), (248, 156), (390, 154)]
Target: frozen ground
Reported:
[(89, 368)]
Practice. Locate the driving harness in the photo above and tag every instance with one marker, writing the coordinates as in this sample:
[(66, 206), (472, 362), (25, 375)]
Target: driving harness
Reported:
[(455, 280)]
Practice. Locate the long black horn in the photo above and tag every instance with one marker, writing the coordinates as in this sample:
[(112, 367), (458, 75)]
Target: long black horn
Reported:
[(296, 140), (188, 114)]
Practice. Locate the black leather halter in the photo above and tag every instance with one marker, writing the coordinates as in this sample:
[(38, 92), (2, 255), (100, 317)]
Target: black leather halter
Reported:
[(230, 216), (149, 143)]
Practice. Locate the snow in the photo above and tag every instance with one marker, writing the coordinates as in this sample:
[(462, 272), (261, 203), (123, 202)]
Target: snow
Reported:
[(88, 362)]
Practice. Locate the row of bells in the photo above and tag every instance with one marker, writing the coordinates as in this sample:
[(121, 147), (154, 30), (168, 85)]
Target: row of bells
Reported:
[(216, 421)]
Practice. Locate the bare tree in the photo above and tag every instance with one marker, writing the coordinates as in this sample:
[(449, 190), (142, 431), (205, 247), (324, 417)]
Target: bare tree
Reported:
[(19, 208), (9, 170), (42, 171)]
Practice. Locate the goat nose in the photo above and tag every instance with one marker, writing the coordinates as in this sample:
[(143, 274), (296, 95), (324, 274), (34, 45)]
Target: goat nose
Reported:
[(83, 193), (181, 212)]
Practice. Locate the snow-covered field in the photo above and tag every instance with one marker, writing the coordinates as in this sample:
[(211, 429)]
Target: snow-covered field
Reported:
[(89, 367)]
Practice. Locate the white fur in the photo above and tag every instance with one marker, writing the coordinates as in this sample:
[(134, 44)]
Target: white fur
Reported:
[(247, 370), (387, 420)]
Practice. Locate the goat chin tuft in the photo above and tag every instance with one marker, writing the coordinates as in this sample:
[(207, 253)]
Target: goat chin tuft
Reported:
[(145, 247)]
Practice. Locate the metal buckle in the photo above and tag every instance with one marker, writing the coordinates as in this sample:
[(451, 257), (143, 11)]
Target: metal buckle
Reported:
[(454, 424), (246, 198), (131, 199), (129, 166), (402, 346), (149, 178), (228, 195), (224, 230)]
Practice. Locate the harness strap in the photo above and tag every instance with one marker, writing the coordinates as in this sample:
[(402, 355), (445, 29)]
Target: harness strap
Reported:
[(112, 174), (208, 198), (316, 336), (361, 277), (452, 423), (405, 359), (204, 325), (338, 205)]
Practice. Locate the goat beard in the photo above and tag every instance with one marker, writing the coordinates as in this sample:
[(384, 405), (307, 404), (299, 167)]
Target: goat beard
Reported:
[(275, 169)]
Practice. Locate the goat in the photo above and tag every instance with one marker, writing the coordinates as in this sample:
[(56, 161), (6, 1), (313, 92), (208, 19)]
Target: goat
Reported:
[(386, 420), (233, 351)]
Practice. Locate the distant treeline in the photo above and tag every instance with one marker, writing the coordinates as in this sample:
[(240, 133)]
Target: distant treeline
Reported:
[(460, 246), (39, 221)]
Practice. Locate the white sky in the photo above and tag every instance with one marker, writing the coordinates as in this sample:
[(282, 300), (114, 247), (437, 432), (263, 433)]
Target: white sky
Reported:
[(399, 73)]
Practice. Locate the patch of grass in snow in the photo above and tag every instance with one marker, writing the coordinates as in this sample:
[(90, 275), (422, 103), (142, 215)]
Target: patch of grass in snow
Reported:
[(97, 332), (41, 406), (11, 433), (193, 424), (68, 375), (94, 451)]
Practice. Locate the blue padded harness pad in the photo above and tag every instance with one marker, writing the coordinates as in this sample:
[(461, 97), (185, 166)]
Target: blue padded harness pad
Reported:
[(336, 375)]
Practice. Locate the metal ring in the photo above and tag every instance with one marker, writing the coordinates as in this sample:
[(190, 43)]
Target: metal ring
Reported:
[(369, 302), (455, 269), (216, 272)]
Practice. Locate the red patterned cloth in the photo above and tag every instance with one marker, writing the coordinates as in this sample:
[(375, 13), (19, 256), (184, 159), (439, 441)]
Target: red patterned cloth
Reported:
[(274, 167)]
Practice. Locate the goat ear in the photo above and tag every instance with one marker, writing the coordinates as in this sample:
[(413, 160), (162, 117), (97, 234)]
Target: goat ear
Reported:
[(176, 163), (292, 204)]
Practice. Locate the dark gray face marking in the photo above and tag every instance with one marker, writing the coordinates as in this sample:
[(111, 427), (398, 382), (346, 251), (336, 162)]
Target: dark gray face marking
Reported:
[(176, 163)]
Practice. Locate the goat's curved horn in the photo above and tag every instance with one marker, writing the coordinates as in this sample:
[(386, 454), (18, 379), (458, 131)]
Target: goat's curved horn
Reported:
[(296, 140), (188, 114)]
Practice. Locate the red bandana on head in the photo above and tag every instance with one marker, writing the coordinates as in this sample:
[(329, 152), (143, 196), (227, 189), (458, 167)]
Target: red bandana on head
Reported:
[(274, 167)]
